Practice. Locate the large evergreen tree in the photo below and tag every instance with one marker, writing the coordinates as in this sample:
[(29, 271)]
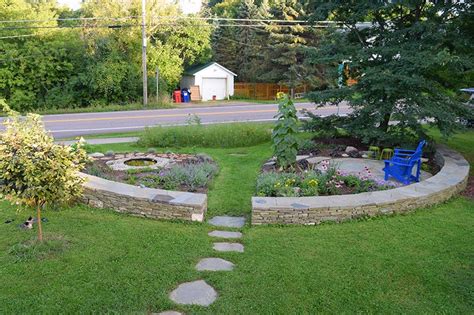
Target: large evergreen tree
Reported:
[(406, 58)]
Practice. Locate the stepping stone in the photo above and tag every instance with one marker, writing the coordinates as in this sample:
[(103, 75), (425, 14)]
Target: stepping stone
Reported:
[(214, 264), (226, 221), (225, 234), (229, 247), (168, 313), (194, 293)]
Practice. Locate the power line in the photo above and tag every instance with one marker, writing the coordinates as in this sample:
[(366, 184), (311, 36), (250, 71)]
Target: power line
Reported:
[(16, 36), (71, 19)]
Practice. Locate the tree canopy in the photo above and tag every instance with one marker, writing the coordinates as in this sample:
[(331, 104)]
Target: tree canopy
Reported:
[(407, 58)]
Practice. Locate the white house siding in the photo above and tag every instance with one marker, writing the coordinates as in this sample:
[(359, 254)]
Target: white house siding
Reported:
[(215, 72)]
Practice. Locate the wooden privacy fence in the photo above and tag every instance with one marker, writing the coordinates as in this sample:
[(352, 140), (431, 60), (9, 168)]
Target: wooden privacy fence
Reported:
[(265, 91)]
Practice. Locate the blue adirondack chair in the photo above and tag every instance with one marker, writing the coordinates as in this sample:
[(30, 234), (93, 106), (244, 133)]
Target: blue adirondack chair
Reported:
[(400, 166)]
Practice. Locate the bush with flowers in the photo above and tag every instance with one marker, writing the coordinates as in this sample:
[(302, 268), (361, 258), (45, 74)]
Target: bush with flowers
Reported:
[(326, 181)]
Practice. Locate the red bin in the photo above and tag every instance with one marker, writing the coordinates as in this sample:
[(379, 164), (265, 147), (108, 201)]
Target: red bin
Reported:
[(177, 96)]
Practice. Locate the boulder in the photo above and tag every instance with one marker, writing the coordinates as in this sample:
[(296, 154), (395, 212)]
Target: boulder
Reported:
[(351, 149), (96, 155)]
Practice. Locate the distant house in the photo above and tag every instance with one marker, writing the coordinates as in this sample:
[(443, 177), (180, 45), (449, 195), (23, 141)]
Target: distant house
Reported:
[(211, 81)]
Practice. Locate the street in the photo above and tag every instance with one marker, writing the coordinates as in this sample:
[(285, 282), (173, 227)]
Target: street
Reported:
[(72, 125)]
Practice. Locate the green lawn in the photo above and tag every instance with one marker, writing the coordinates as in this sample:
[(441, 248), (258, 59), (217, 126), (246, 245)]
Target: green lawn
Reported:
[(421, 262)]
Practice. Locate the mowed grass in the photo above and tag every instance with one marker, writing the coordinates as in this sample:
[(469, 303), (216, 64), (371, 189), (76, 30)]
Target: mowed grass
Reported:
[(112, 263), (420, 262)]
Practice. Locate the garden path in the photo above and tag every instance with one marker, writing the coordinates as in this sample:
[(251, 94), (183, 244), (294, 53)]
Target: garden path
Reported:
[(199, 292)]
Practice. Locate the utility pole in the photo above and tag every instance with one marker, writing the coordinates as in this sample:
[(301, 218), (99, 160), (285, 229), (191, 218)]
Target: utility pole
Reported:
[(157, 72), (145, 79)]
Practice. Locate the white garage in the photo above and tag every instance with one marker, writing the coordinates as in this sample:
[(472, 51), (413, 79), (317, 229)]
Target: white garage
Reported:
[(211, 81)]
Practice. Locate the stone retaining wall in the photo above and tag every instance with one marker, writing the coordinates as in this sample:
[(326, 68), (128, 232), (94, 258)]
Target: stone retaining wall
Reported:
[(143, 202), (450, 180)]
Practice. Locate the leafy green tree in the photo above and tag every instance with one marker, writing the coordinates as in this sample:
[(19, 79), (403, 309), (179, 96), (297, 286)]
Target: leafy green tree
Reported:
[(34, 171), (403, 57)]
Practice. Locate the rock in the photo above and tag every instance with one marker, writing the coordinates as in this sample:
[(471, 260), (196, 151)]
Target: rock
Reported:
[(169, 313), (214, 264), (229, 247), (194, 293), (96, 155), (424, 160), (225, 234), (226, 221), (365, 156), (317, 159), (344, 155), (354, 154), (351, 149)]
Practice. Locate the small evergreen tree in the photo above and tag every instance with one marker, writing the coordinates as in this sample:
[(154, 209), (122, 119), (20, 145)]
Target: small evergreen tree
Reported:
[(34, 171)]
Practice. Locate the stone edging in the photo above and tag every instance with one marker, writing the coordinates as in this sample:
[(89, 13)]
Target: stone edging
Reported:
[(144, 202), (450, 180)]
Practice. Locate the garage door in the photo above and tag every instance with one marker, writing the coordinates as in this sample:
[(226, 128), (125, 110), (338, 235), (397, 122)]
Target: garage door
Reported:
[(214, 87)]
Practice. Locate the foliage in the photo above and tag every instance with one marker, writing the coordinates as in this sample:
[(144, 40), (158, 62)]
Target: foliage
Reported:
[(329, 126), (268, 52), (406, 58), (315, 182), (223, 135), (285, 142), (90, 63), (35, 171), (193, 176)]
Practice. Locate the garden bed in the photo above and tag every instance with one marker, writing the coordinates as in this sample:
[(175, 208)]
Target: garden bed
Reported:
[(169, 171), (451, 179)]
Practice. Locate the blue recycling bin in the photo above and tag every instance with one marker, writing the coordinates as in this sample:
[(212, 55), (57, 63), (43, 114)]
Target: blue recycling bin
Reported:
[(185, 97)]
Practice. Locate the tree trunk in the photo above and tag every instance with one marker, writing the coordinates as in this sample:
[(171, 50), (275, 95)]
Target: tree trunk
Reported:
[(384, 124), (40, 228)]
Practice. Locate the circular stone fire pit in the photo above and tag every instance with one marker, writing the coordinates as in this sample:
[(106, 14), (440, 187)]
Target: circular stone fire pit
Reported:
[(131, 163)]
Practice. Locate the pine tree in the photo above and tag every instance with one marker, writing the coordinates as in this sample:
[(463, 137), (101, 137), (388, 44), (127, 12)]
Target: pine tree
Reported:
[(287, 47)]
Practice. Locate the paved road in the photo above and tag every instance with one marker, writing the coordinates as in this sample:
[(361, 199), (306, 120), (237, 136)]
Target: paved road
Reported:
[(71, 125)]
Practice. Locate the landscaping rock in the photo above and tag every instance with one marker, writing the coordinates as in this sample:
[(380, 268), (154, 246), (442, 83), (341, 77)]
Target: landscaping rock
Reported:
[(226, 221), (317, 159), (344, 155), (168, 313), (225, 234), (351, 149), (194, 293), (354, 154), (96, 155), (214, 264), (229, 247)]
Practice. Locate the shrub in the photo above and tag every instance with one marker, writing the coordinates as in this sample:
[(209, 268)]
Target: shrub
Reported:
[(285, 142), (211, 136), (35, 171), (191, 175)]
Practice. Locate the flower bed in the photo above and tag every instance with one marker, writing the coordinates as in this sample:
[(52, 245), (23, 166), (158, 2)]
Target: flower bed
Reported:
[(182, 172), (323, 180)]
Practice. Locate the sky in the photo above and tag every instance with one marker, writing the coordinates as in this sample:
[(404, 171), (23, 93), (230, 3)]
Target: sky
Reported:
[(73, 4)]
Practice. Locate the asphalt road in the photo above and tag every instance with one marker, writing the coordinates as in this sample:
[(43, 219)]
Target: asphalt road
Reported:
[(71, 125)]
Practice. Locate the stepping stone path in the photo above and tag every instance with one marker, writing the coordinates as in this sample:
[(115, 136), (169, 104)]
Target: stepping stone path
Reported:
[(194, 293), (229, 247), (225, 234), (231, 222), (214, 264), (199, 292)]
